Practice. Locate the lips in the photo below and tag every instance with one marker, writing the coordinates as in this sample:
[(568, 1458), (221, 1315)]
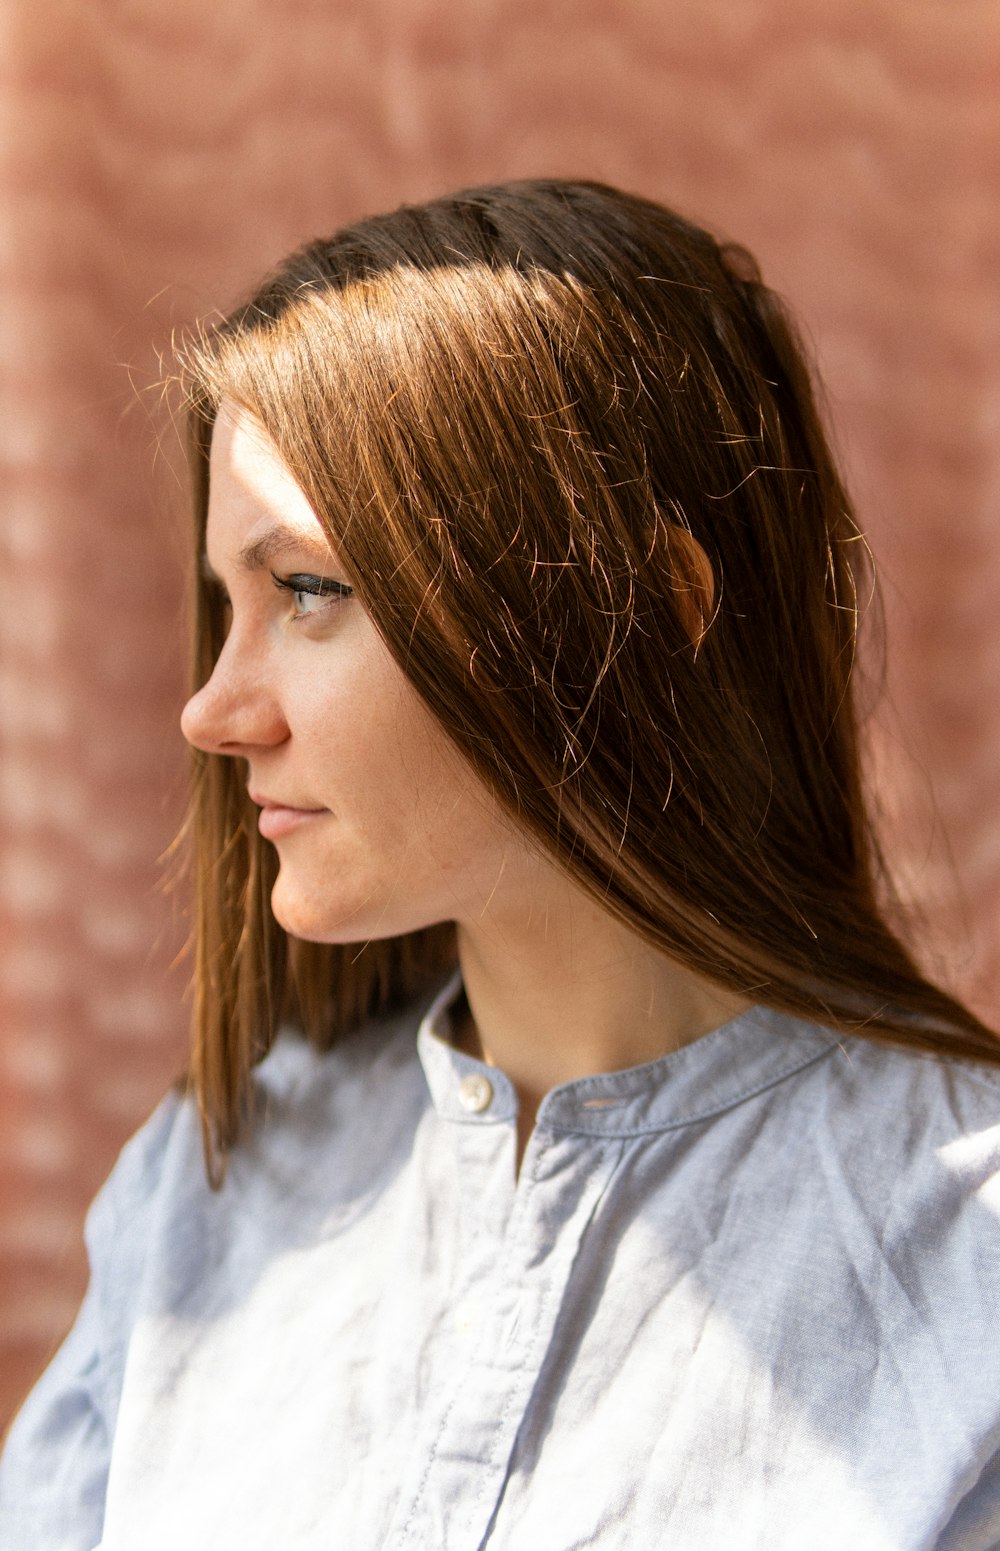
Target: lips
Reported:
[(279, 818)]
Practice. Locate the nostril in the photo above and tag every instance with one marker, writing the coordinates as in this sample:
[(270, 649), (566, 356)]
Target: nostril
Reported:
[(231, 714), (196, 721)]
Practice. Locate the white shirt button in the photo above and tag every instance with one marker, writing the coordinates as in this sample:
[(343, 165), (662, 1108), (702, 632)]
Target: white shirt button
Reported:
[(475, 1093)]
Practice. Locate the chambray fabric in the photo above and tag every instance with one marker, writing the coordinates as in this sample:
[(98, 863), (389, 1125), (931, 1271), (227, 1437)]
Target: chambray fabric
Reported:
[(743, 1297)]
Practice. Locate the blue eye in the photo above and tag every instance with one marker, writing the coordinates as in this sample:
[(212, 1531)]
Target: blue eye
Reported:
[(312, 594)]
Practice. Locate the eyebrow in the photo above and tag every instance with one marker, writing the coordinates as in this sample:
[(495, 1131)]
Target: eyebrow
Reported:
[(272, 544)]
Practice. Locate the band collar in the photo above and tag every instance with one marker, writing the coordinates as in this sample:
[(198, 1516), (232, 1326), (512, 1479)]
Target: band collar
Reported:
[(742, 1058)]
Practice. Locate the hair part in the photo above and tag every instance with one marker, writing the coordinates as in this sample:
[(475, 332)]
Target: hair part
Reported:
[(568, 446)]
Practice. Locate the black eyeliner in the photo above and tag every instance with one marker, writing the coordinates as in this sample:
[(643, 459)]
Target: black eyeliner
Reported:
[(316, 586)]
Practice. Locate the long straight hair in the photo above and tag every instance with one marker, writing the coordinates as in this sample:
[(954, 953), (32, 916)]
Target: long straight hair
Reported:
[(567, 445)]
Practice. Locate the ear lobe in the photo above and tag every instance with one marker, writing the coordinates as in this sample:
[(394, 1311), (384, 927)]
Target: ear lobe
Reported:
[(692, 583)]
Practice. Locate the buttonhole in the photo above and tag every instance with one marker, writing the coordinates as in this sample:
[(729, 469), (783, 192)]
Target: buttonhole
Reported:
[(601, 1103)]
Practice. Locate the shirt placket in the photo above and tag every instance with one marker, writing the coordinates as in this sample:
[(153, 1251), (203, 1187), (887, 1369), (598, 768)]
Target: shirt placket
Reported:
[(451, 1496)]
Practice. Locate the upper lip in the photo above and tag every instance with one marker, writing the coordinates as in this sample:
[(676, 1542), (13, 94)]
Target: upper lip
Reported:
[(262, 800)]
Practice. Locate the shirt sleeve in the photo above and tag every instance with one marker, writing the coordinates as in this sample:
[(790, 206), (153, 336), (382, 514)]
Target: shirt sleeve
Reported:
[(975, 1526), (54, 1469)]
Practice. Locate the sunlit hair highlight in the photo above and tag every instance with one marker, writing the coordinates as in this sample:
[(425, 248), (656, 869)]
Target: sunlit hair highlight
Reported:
[(567, 445)]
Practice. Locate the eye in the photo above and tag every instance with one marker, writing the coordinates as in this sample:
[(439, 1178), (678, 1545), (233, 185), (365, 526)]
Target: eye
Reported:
[(312, 594)]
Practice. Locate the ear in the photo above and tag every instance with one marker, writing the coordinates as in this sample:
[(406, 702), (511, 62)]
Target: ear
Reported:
[(692, 583)]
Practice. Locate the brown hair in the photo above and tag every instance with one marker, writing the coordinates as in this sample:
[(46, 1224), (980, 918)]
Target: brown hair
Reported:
[(568, 447)]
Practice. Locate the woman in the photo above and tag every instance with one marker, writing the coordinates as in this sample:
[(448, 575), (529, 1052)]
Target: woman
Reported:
[(631, 1187)]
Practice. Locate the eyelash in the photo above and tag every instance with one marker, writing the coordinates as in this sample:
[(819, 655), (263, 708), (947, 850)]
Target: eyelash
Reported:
[(312, 587)]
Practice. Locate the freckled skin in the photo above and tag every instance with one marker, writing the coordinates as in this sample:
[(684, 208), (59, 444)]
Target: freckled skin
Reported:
[(326, 719)]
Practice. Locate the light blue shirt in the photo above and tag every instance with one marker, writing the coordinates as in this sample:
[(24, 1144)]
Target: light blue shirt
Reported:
[(747, 1296)]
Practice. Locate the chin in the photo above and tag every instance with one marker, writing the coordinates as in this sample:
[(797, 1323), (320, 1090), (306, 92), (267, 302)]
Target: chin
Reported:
[(312, 925), (327, 920)]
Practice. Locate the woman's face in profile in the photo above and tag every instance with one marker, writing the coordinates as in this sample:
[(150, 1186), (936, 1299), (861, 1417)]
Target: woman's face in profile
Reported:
[(379, 825)]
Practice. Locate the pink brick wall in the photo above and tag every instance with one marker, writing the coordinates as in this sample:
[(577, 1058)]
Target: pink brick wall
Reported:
[(153, 157)]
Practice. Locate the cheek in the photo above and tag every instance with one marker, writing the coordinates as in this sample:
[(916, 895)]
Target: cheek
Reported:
[(374, 751), (422, 800), (416, 786)]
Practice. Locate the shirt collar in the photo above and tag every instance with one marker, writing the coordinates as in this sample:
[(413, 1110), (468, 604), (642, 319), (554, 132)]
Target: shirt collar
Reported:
[(742, 1058)]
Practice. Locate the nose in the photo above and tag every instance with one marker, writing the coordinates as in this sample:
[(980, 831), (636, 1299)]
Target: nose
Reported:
[(235, 712)]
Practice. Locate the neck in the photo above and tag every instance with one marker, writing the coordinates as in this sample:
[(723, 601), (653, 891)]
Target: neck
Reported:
[(572, 992)]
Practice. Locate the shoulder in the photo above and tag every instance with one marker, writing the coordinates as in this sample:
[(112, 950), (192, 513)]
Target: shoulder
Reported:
[(907, 1101), (875, 1156), (867, 1083), (158, 1221), (306, 1106), (298, 1087), (924, 1131), (159, 1237), (895, 1158), (157, 1226)]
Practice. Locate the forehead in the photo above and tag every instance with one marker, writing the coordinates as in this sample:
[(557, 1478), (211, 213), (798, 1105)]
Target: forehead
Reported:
[(252, 494)]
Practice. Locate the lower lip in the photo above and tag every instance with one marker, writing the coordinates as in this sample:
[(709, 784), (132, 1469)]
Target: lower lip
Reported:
[(276, 822)]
